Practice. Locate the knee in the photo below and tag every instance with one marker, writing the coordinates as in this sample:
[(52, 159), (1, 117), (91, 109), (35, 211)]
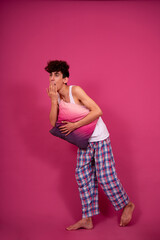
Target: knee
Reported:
[(102, 179), (82, 178), (105, 178)]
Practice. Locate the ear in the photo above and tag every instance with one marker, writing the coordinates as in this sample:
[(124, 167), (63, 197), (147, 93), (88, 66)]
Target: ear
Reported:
[(65, 80)]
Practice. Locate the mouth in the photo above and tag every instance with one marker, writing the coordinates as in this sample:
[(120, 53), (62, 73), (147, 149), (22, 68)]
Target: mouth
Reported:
[(53, 82)]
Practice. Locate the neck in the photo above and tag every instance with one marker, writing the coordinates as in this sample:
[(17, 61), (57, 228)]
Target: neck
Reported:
[(63, 92)]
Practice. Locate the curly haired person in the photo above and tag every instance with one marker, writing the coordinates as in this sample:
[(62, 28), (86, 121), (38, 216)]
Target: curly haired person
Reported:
[(95, 164)]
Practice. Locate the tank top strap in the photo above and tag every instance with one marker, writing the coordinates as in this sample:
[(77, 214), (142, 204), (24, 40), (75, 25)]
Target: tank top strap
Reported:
[(70, 94)]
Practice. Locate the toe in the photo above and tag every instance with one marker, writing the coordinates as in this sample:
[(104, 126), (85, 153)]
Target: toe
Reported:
[(121, 223), (68, 228)]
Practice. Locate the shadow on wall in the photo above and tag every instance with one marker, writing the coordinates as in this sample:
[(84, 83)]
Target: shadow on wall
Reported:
[(31, 120)]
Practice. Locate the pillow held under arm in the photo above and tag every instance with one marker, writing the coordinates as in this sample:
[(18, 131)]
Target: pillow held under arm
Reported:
[(72, 113)]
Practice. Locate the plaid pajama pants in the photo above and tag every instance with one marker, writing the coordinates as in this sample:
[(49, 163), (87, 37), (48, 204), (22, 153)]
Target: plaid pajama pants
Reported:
[(96, 165)]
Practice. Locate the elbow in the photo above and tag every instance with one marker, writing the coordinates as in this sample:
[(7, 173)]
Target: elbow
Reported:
[(100, 113)]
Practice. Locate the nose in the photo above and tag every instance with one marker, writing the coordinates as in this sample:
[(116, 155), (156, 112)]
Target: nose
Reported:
[(51, 79)]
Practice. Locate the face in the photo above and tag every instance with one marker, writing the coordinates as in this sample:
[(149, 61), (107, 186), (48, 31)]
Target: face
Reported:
[(57, 78)]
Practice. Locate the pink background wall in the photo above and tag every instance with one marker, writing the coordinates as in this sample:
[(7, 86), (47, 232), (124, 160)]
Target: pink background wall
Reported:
[(114, 54)]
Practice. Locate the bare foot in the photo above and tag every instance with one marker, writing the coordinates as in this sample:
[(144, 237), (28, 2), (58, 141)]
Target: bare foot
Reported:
[(127, 214), (83, 223)]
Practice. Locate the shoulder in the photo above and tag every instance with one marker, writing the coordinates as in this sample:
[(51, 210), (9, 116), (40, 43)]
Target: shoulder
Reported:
[(77, 90), (84, 99)]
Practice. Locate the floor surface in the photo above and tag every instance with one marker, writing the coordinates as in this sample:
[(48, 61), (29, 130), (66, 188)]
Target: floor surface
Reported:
[(47, 228)]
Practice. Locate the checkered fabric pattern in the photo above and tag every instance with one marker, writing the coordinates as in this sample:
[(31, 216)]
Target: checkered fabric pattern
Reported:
[(96, 165)]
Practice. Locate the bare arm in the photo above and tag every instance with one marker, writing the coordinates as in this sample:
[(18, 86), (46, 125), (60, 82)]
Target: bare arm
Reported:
[(95, 110), (94, 113), (52, 93)]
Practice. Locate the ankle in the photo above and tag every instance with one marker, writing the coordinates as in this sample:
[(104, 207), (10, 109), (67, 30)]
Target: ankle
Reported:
[(88, 219)]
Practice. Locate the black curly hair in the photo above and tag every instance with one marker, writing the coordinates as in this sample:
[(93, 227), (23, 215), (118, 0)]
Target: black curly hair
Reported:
[(58, 65)]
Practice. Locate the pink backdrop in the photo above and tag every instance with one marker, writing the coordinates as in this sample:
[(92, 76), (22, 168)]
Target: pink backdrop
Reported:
[(114, 53)]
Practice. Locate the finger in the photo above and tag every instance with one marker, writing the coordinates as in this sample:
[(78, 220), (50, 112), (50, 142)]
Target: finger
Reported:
[(55, 87), (50, 87), (47, 91), (64, 131), (68, 133), (62, 127), (64, 122)]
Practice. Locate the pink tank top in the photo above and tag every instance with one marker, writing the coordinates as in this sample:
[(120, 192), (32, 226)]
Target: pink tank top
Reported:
[(72, 112)]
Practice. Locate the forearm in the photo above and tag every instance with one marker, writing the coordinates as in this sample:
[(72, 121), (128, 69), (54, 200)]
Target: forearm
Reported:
[(91, 116), (53, 112)]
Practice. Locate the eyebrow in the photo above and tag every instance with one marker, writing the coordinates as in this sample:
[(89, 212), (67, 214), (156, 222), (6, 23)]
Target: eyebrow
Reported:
[(55, 72)]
